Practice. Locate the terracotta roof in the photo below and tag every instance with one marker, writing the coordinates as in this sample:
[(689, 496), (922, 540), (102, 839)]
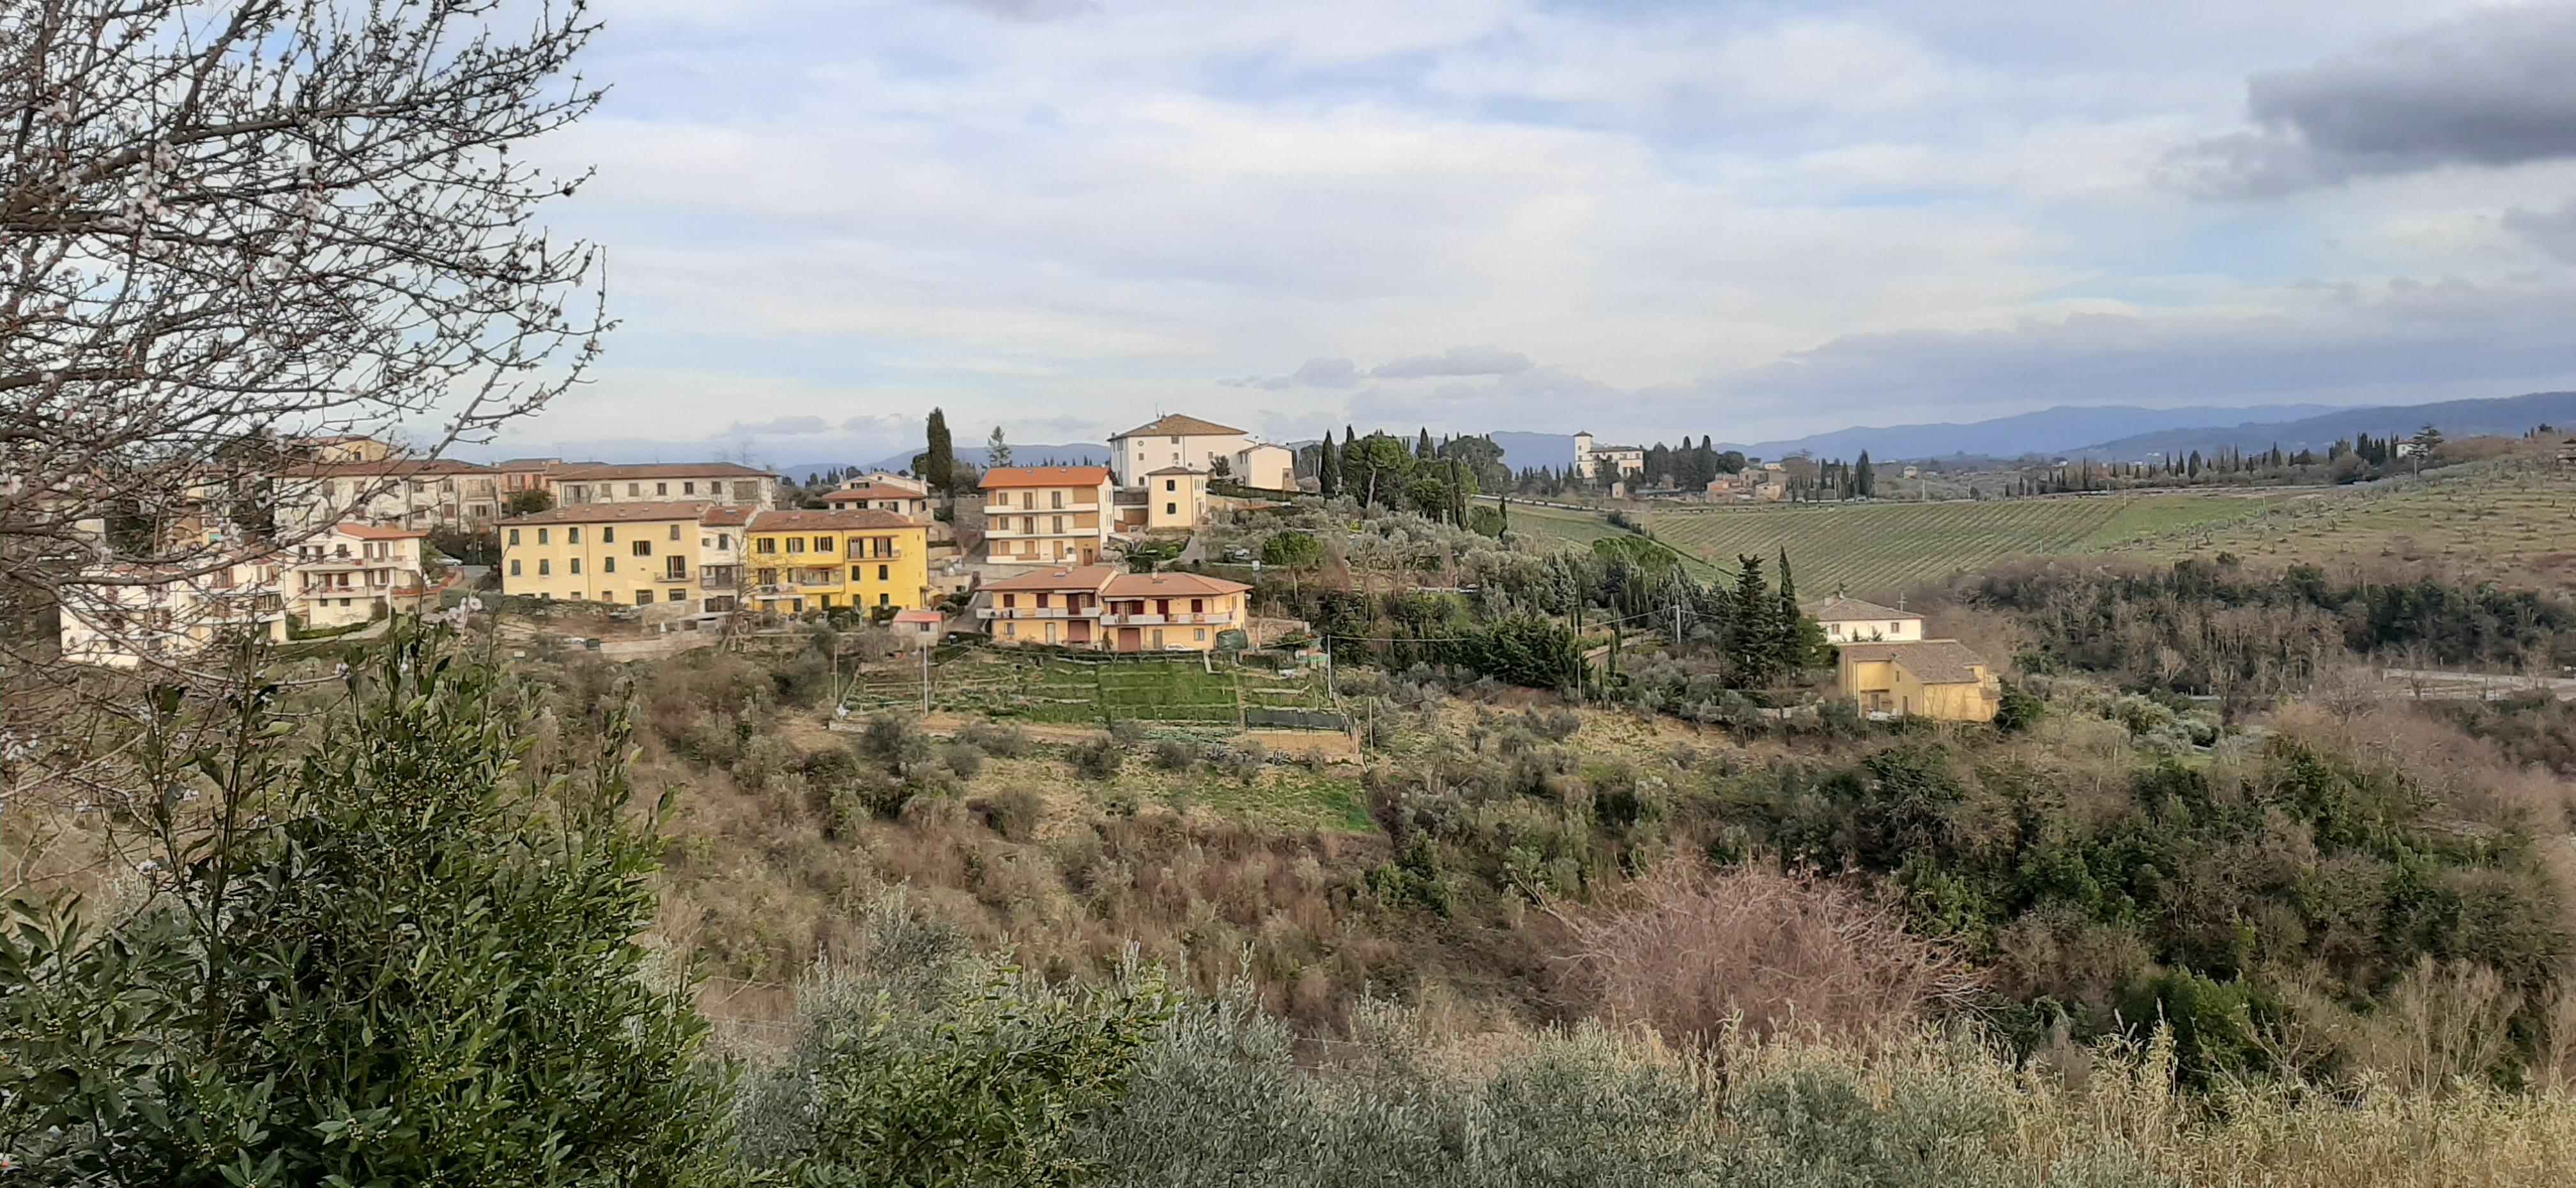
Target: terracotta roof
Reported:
[(1175, 470), (918, 616), (1178, 425), (373, 532), (1166, 585), (589, 472), (1846, 610), (836, 519), (610, 513), (721, 516), (1069, 577), (1045, 476), (388, 468), (1932, 661)]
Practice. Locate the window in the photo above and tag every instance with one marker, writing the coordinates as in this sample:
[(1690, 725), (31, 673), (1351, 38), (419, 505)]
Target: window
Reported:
[(1198, 605), (641, 548), (634, 489), (688, 488), (1056, 499), (660, 489), (675, 568), (675, 532), (545, 568), (608, 536), (1893, 628), (766, 544), (724, 541), (514, 536), (572, 536), (541, 536), (576, 565), (1028, 500), (1202, 635), (1009, 601), (608, 565), (1009, 630), (1059, 525), (854, 573), (827, 602), (514, 569), (1171, 509), (643, 597), (887, 600), (1171, 484), (795, 544), (1176, 441), (822, 544)]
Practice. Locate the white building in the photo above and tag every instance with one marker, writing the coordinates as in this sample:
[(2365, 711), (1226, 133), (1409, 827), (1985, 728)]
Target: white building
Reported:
[(1606, 463), (1850, 620), (725, 484), (351, 573), (421, 494), (124, 623), (903, 497)]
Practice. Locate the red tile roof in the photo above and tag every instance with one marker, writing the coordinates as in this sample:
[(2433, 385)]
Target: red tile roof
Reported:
[(375, 532), (643, 470), (1179, 425), (610, 513), (835, 519)]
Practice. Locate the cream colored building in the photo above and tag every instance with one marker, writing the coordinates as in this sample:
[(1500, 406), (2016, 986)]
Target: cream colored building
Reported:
[(1606, 463), (1926, 678), (1850, 620), (351, 573), (1176, 499), (1046, 515), (128, 622), (725, 484), (906, 499), (1105, 608), (420, 494), (633, 554)]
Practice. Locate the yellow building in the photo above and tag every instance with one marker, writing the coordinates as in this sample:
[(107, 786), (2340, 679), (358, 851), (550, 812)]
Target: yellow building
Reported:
[(1176, 499), (637, 554), (1929, 678), (824, 560)]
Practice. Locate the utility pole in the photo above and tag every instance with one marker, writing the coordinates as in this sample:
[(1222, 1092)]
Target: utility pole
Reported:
[(925, 682)]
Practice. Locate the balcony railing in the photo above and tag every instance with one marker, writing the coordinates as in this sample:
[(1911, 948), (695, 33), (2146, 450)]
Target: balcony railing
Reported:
[(1033, 612), (1183, 618)]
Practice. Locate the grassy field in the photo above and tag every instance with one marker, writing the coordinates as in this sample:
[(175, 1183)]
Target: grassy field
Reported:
[(1878, 549), (2516, 526), (1053, 689)]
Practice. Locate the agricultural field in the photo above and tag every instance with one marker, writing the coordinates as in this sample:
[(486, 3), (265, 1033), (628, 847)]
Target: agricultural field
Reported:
[(2515, 525), (1881, 549), (1166, 690)]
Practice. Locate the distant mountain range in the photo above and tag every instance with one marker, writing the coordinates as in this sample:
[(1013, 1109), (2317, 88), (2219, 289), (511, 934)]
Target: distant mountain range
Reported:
[(1080, 453)]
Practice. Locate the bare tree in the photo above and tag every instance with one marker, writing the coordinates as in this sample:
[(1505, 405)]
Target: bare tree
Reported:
[(225, 227)]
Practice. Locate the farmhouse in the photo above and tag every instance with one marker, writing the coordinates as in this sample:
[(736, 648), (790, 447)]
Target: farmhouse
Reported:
[(1606, 463), (1927, 678), (1850, 620)]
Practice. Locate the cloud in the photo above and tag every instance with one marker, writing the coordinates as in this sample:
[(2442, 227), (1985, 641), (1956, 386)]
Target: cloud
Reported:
[(2553, 231), (1314, 373), (1454, 361), (1028, 11), (798, 425), (2494, 88)]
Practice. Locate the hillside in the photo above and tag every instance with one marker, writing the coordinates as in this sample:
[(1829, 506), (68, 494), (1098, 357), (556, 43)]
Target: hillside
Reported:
[(1883, 549), (2509, 416)]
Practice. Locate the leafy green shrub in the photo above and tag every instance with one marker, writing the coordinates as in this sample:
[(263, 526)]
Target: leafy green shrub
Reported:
[(390, 956)]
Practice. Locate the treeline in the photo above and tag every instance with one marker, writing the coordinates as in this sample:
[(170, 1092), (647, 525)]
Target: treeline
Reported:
[(1433, 480), (2218, 628)]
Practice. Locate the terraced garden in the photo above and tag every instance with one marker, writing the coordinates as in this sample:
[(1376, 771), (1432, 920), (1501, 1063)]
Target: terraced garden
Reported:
[(1036, 687), (1879, 549)]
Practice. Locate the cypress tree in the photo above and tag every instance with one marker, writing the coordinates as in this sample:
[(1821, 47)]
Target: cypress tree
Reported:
[(939, 462), (1328, 466)]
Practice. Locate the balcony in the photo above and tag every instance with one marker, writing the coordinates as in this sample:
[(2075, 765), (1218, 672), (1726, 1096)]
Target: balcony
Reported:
[(1010, 509), (1175, 618), (893, 554), (709, 579), (996, 532), (1032, 612)]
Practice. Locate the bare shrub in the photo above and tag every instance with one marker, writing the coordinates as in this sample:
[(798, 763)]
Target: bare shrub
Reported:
[(995, 738), (1688, 951)]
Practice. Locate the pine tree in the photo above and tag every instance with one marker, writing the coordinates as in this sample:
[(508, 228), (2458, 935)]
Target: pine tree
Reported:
[(1328, 466), (997, 450)]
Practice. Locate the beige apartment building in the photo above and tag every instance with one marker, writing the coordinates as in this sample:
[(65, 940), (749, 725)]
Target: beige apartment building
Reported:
[(1046, 515), (350, 573), (1177, 439), (1105, 608), (725, 484), (885, 493), (420, 494)]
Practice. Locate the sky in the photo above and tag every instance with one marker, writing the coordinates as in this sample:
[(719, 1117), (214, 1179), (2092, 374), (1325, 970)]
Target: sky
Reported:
[(1642, 219)]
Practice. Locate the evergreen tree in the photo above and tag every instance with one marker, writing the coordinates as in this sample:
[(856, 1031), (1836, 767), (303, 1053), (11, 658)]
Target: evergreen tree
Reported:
[(939, 462), (1422, 451), (1753, 637), (997, 450), (1328, 466), (1864, 483)]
